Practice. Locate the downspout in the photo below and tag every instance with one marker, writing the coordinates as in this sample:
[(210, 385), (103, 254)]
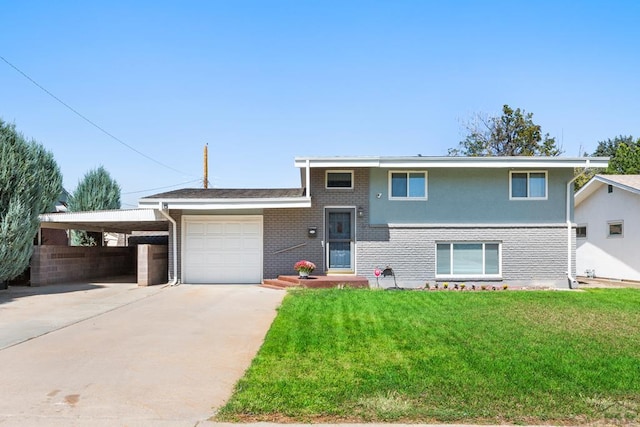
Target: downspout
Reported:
[(308, 178), (174, 227), (570, 278)]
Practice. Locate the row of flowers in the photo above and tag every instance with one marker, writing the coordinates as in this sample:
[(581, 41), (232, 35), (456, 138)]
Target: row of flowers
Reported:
[(463, 286), (304, 268)]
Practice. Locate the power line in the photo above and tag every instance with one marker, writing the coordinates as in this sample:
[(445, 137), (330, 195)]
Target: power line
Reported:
[(76, 112), (162, 188)]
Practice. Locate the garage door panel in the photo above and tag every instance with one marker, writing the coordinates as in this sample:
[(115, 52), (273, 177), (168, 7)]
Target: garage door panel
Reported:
[(222, 250)]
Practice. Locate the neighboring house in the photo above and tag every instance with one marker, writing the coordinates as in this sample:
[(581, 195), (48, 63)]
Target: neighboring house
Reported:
[(462, 219), (607, 215)]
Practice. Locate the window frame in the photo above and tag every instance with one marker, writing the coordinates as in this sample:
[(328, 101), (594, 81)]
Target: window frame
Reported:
[(326, 179), (585, 226), (528, 173), (615, 235), (482, 275), (408, 173)]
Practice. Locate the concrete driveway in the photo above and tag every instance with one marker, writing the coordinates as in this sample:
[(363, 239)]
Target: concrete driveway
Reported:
[(141, 356)]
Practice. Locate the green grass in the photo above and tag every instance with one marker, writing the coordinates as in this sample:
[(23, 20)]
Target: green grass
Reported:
[(483, 357)]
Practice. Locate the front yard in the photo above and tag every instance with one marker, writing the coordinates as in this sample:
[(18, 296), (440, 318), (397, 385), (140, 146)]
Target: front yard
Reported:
[(452, 357)]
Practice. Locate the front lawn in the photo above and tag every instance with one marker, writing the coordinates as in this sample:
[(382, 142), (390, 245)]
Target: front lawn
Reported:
[(465, 357)]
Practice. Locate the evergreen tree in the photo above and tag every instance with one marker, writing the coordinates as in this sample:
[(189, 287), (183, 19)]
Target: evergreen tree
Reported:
[(95, 192), (30, 181)]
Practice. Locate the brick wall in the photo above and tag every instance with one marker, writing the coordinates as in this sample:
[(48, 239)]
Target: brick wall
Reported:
[(531, 256), (61, 264), (152, 264), (286, 228)]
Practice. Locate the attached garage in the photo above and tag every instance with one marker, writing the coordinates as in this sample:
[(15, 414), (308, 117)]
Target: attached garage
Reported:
[(222, 249)]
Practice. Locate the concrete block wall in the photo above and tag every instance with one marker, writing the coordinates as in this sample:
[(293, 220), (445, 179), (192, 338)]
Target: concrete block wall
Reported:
[(65, 264), (153, 263)]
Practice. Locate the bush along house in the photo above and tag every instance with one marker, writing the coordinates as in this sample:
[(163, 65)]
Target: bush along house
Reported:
[(431, 219)]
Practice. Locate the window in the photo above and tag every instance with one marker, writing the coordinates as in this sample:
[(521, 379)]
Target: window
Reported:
[(468, 259), (528, 185), (408, 185), (581, 232), (340, 179), (615, 228), (610, 188)]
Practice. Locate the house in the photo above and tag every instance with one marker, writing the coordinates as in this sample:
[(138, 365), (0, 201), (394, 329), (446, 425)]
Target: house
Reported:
[(466, 219), (607, 214)]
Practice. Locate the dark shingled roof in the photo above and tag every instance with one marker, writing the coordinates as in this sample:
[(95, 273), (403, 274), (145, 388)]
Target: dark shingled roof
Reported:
[(230, 193)]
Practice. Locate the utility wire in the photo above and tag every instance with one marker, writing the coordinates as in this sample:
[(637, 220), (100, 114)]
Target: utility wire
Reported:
[(90, 121), (162, 188)]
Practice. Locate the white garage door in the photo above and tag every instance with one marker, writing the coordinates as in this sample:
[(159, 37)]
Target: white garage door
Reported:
[(222, 249)]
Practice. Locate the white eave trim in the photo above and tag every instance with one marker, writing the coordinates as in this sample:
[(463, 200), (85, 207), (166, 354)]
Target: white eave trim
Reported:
[(453, 162), (228, 204), (104, 216), (596, 182)]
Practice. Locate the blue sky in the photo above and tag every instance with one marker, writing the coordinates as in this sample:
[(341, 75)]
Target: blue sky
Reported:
[(264, 81)]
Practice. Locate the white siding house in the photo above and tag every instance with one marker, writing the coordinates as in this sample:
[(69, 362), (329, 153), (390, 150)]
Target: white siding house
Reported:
[(607, 216)]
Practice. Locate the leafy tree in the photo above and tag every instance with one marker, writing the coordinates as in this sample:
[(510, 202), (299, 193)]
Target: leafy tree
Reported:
[(624, 154), (608, 148), (96, 191), (626, 160), (511, 134), (30, 181)]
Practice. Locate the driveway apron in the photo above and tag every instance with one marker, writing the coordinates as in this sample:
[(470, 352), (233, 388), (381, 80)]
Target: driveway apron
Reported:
[(171, 358)]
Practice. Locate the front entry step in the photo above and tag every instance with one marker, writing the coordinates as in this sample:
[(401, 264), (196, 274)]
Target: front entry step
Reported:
[(333, 281)]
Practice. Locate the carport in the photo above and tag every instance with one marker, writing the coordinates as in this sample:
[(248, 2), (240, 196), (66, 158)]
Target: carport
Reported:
[(58, 264)]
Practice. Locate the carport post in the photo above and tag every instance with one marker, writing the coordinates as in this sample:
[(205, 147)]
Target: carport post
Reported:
[(174, 246)]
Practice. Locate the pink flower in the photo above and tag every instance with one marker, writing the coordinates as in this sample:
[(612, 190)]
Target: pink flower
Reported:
[(304, 266)]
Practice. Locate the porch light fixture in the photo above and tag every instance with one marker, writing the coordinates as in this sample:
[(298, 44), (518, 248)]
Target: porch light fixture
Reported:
[(360, 212), (312, 231)]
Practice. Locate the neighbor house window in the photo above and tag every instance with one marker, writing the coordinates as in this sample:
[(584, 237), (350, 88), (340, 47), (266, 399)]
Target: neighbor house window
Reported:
[(615, 228), (468, 259), (528, 185), (408, 185), (339, 179), (581, 232)]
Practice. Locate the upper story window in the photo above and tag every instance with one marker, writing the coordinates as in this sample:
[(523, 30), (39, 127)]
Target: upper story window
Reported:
[(339, 179), (408, 185), (528, 185)]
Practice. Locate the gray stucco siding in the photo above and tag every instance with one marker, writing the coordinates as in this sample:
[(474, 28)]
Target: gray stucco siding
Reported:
[(462, 196)]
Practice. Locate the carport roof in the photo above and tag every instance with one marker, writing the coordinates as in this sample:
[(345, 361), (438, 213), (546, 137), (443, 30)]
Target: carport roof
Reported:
[(117, 221)]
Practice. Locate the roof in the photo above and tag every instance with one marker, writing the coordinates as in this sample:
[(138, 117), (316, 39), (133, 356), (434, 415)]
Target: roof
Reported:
[(228, 198), (629, 183), (118, 221), (229, 193), (454, 162)]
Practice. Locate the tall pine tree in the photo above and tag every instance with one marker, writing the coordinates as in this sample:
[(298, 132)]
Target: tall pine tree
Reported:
[(95, 192), (30, 181)]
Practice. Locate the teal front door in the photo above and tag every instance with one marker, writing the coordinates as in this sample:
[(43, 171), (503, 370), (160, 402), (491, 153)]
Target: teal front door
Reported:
[(339, 240)]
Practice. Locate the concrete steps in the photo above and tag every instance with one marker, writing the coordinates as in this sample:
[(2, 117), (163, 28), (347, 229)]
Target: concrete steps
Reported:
[(285, 282)]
